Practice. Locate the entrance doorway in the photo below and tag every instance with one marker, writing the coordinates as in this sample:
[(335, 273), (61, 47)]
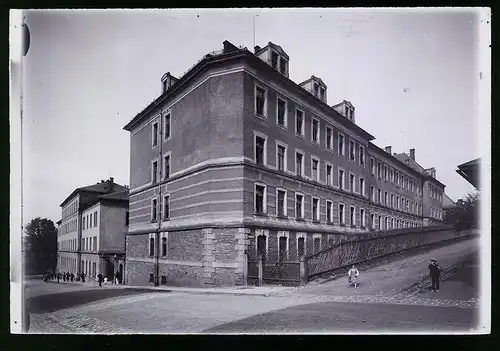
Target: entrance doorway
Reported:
[(121, 274), (110, 269)]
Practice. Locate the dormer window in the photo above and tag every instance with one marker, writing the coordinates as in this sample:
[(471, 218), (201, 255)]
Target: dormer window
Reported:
[(316, 89), (274, 56), (322, 93), (279, 63), (283, 66), (274, 59), (349, 113)]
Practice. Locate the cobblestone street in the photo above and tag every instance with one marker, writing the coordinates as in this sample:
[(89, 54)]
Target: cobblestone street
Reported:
[(383, 301)]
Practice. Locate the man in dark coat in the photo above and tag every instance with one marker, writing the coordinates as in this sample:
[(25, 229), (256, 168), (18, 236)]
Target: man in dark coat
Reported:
[(435, 273), (83, 277), (100, 279), (58, 277), (72, 277)]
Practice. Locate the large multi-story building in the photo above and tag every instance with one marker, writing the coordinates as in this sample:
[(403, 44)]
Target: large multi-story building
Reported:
[(235, 156), (91, 234)]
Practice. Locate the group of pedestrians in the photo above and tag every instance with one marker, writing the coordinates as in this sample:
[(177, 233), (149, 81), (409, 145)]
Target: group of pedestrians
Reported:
[(70, 277), (65, 277), (102, 279)]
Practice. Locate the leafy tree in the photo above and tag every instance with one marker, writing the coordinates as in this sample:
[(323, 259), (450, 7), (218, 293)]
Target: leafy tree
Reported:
[(466, 213), (40, 246)]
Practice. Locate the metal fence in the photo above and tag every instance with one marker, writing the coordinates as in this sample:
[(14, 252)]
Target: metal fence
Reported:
[(354, 252), (278, 268)]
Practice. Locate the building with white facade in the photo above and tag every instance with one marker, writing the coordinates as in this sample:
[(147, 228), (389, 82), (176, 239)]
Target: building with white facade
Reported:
[(91, 237)]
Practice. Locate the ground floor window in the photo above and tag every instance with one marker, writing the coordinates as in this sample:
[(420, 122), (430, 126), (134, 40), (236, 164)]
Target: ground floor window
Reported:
[(316, 244), (282, 246), (301, 247), (261, 245)]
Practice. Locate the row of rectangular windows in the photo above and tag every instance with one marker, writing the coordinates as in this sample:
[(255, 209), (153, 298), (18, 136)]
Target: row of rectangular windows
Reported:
[(435, 194), (281, 164), (260, 206), (70, 209), (68, 227), (260, 158), (391, 175), (283, 237), (281, 121), (87, 221), (388, 223), (67, 244), (393, 201), (436, 213), (88, 244)]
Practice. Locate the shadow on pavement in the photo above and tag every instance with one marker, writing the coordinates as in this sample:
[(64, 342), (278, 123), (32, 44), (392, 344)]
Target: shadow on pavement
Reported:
[(354, 317), (58, 301)]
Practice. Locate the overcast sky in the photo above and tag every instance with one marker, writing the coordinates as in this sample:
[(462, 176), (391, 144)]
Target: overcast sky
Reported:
[(88, 73)]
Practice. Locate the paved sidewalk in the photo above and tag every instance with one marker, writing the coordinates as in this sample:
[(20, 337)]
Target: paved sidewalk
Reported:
[(237, 290)]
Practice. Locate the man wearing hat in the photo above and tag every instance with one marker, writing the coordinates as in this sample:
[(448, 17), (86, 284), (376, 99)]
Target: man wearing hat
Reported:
[(435, 272)]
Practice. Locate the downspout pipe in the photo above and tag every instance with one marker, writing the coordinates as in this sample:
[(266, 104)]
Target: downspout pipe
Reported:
[(160, 204)]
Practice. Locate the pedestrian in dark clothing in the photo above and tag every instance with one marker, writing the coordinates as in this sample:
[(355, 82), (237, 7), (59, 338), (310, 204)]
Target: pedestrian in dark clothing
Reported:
[(72, 277), (64, 277), (435, 273), (100, 279), (68, 276), (83, 277), (58, 277), (117, 278)]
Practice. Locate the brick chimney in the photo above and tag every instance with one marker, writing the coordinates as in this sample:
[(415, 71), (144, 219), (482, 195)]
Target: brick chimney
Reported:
[(412, 154), (167, 81), (388, 149), (229, 47), (109, 187)]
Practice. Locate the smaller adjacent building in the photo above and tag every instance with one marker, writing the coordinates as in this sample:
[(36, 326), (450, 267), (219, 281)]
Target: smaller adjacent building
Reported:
[(91, 237), (448, 204)]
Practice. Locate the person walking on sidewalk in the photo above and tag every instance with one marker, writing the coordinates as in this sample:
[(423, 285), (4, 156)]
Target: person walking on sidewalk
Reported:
[(100, 279), (83, 277), (72, 277), (58, 277), (435, 273), (117, 277)]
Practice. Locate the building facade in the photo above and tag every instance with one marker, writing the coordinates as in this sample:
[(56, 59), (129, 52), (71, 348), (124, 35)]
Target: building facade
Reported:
[(234, 157), (91, 234)]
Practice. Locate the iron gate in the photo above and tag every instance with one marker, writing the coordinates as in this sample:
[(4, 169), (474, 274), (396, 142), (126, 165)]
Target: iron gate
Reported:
[(278, 268)]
